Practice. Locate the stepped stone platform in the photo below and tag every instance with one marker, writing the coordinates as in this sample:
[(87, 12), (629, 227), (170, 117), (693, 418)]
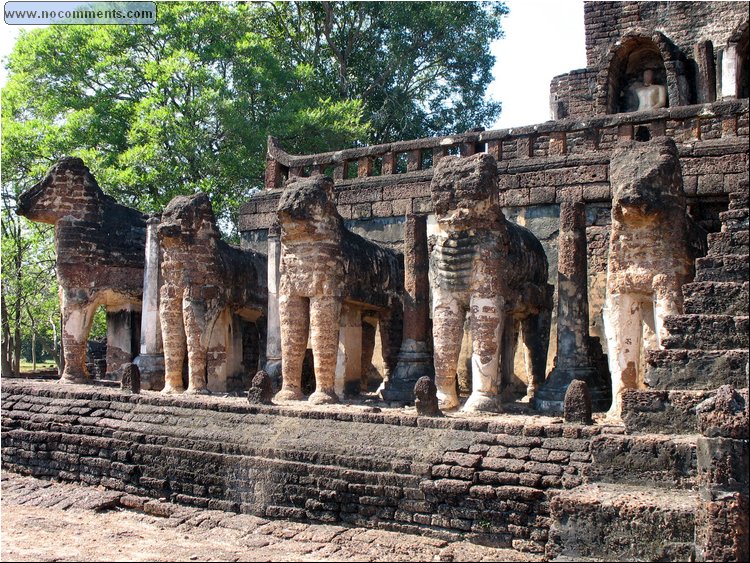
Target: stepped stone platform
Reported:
[(731, 242), (696, 369), (716, 298), (521, 481), (702, 331), (707, 347), (487, 479), (636, 524), (729, 267)]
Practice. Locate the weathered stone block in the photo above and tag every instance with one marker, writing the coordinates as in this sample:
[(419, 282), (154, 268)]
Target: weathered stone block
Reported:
[(261, 389), (695, 369), (577, 403), (131, 378), (425, 397)]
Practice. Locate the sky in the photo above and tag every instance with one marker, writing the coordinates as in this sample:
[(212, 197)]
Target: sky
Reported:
[(543, 38)]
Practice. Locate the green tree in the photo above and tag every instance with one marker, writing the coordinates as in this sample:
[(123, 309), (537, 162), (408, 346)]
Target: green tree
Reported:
[(420, 68), (30, 311), (157, 111)]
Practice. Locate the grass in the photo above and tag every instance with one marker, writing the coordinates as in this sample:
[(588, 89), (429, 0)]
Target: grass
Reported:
[(27, 366)]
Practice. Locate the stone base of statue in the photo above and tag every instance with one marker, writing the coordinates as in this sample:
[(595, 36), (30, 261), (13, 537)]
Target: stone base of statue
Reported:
[(414, 361), (550, 396), (151, 367)]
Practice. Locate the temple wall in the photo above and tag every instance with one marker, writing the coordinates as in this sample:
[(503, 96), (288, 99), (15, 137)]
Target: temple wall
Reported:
[(539, 166), (685, 23), (700, 47)]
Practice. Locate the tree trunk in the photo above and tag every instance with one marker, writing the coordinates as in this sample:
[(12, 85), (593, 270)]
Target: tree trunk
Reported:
[(5, 350)]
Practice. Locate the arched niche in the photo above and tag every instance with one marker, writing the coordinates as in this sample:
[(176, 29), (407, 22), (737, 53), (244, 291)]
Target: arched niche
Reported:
[(626, 62)]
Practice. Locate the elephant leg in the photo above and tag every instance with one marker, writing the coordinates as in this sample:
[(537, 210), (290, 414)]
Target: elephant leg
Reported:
[(173, 337), (447, 328), (325, 313), (487, 318), (668, 300), (508, 345), (535, 330), (197, 331), (623, 328), (294, 318), (76, 325)]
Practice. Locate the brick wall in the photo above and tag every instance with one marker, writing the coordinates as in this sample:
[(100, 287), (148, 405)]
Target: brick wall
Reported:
[(684, 23), (691, 38), (486, 479)]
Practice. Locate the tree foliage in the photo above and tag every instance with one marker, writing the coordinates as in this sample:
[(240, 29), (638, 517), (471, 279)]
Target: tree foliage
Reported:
[(186, 105), (420, 68)]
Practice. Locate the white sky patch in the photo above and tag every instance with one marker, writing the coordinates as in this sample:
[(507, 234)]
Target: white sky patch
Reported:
[(543, 38)]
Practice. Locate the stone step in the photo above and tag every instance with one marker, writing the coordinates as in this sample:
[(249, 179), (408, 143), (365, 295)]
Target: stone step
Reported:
[(695, 369), (734, 220), (654, 460), (662, 412), (623, 523), (730, 267), (729, 242), (716, 298), (710, 332), (739, 200)]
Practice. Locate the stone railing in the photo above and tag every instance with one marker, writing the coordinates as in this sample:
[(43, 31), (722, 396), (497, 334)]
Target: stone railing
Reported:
[(549, 139)]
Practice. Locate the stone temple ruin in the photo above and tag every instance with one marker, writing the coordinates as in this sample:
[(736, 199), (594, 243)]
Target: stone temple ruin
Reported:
[(611, 241)]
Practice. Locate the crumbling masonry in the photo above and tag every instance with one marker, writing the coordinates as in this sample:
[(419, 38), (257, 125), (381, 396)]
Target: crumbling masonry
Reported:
[(209, 289), (491, 270), (100, 253), (668, 480), (330, 276)]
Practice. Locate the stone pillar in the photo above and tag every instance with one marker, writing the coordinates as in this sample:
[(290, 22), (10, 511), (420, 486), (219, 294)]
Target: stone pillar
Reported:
[(349, 357), (576, 357), (414, 358), (150, 360), (729, 72), (273, 328), (120, 326), (703, 53), (721, 521)]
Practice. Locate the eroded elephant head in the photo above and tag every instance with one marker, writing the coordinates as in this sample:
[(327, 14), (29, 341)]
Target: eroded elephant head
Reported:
[(186, 219), (307, 206), (464, 191), (68, 190), (646, 180)]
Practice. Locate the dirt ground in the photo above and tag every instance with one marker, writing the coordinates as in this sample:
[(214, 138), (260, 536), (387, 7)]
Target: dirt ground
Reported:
[(51, 521)]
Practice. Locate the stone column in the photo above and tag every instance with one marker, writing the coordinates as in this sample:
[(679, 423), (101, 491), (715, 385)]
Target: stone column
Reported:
[(349, 357), (729, 72), (576, 356), (273, 328), (150, 360), (120, 327), (414, 358)]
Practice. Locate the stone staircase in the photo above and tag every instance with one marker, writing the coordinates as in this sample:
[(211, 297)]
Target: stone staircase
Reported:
[(707, 346), (644, 496), (639, 503)]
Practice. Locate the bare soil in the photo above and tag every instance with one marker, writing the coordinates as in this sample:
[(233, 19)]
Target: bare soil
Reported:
[(51, 521)]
